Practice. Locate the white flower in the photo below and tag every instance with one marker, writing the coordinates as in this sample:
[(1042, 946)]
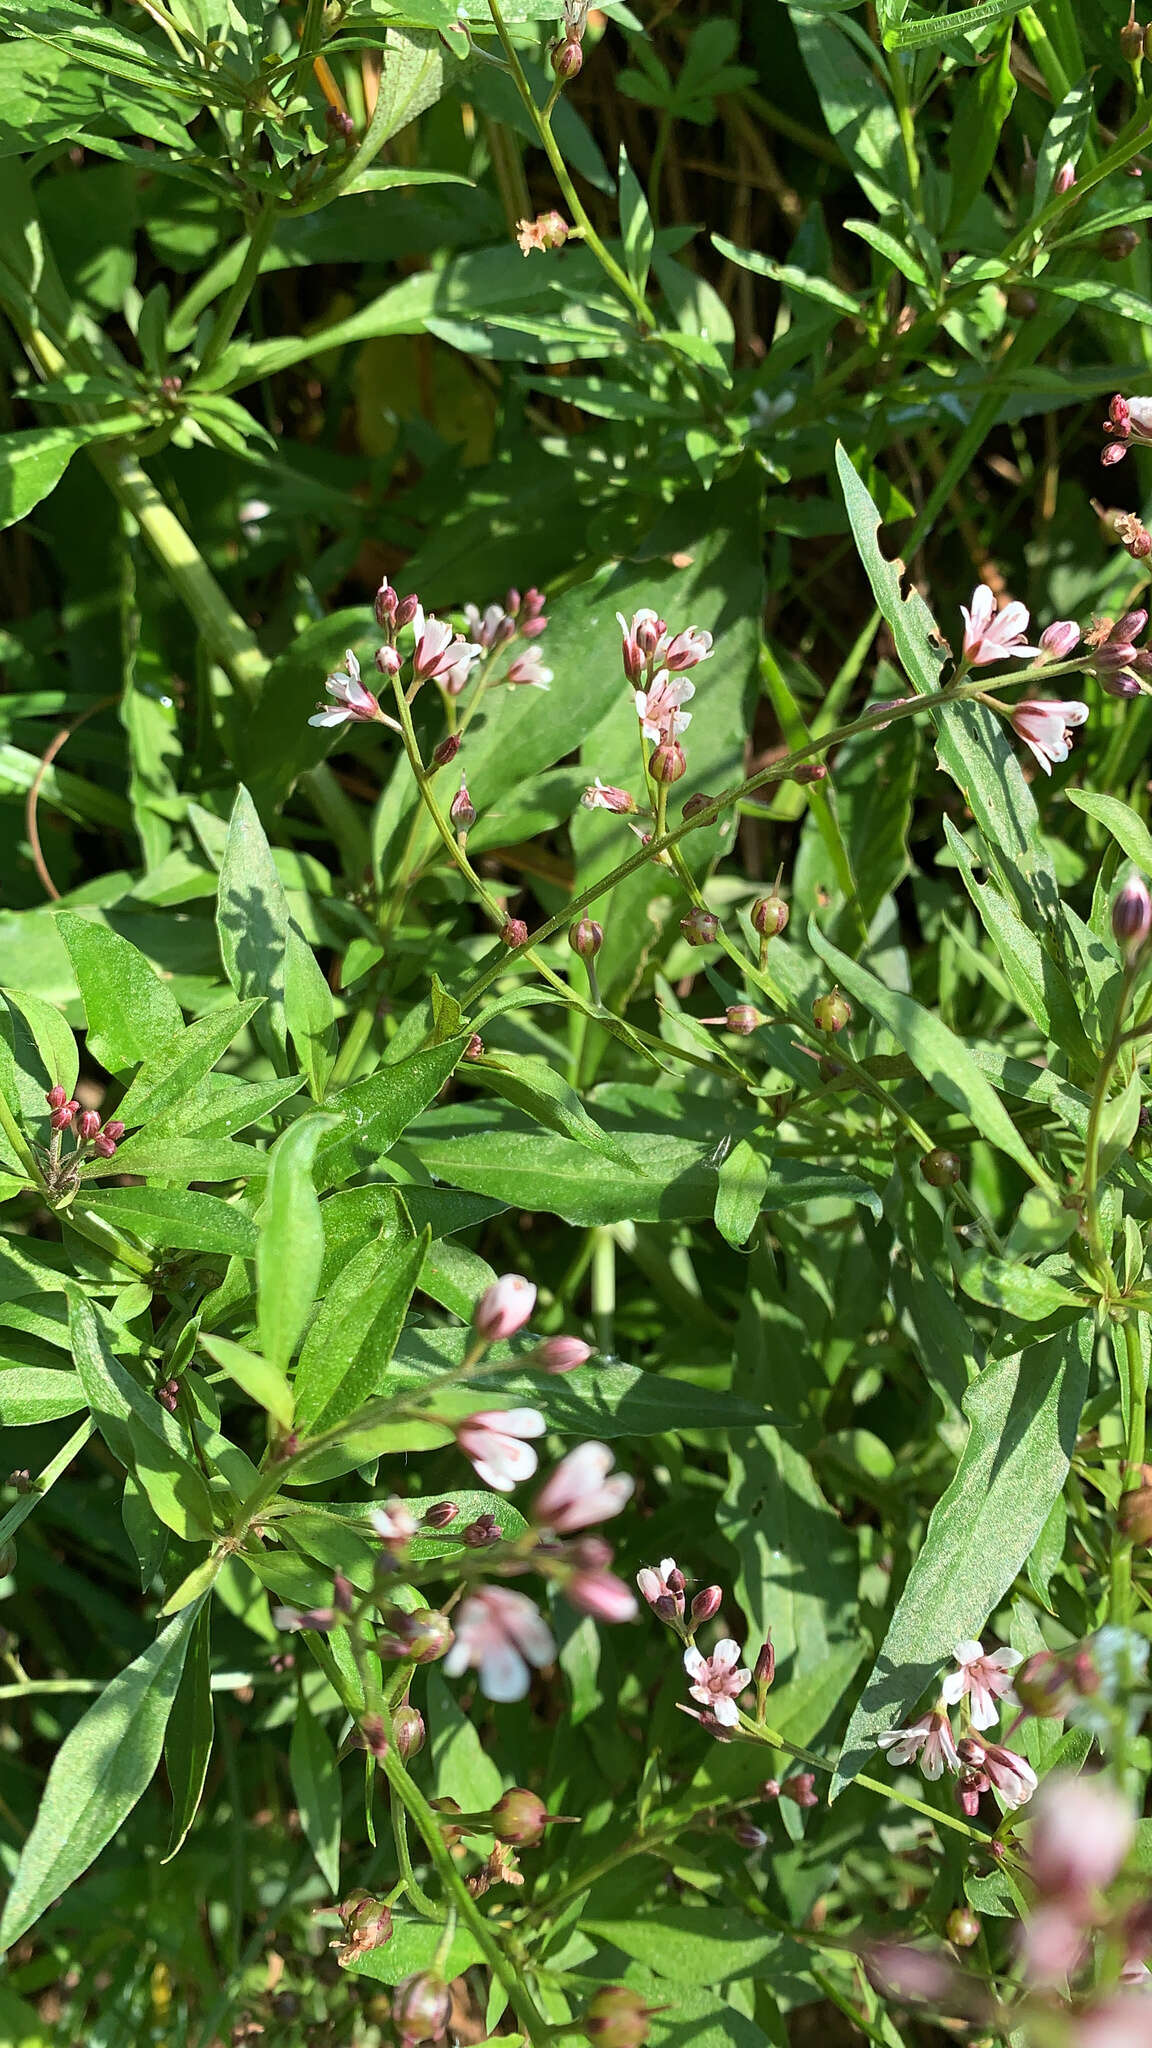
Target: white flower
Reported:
[(986, 1680), (718, 1680)]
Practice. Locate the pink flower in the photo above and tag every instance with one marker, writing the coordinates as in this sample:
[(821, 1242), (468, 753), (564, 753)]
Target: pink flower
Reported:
[(352, 699), (663, 1589), (452, 680), (580, 1492), (640, 640), (930, 1737), (1060, 639), (659, 707), (494, 1439), (1011, 1776), (1115, 657), (686, 648), (601, 1593), (394, 1522), (561, 1354), (602, 796), (984, 1679), (990, 635), (1082, 1831), (718, 1680), (1065, 178), (490, 627), (1129, 419), (1122, 2022), (504, 1307), (439, 648), (1046, 727), (528, 667), (499, 1633)]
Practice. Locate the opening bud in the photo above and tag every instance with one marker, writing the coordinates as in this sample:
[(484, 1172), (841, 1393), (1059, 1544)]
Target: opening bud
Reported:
[(941, 1168), (749, 1835), (446, 749), (586, 938), (668, 763), (388, 661), (561, 1354), (367, 1923), (705, 1604), (700, 926), (1132, 915), (741, 1019), (769, 915), (832, 1011)]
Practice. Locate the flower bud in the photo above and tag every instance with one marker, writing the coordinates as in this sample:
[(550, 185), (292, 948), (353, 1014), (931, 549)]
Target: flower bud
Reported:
[(1132, 915), (61, 1118), (421, 2007), (604, 796), (87, 1125), (567, 60), (741, 1019), (1022, 304), (696, 803), (514, 932), (408, 1731), (831, 1012), (1065, 178), (1060, 639), (56, 1097), (560, 1354), (700, 926), (1045, 1686), (618, 2018), (367, 1925), (343, 1594), (406, 610), (812, 771), (1112, 453), (586, 938), (1117, 244), (962, 1927), (446, 749), (388, 661), (504, 1308), (482, 1533), (104, 1145), (419, 1637), (764, 1670), (769, 915), (667, 763), (749, 1835), (941, 1168), (519, 1817), (440, 1514), (1134, 1515), (705, 1604), (462, 810), (801, 1788), (113, 1130), (384, 605)]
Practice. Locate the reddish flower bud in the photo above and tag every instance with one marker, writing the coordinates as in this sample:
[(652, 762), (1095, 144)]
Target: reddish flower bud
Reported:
[(372, 1736), (812, 771), (749, 1835), (440, 1514), (801, 1788), (742, 1019), (61, 1118), (567, 61), (705, 1604), (474, 1050), (482, 1533), (1117, 244), (668, 763), (408, 1731), (941, 1168), (1114, 452), (168, 1395), (769, 915), (446, 749), (586, 938), (1134, 1514), (462, 810), (104, 1145), (113, 1129), (618, 2018), (388, 661), (384, 605), (422, 2007), (832, 1011), (700, 926), (343, 1594), (416, 1638), (514, 932), (1132, 915), (406, 610), (693, 805), (520, 1818), (87, 1125), (560, 1354), (764, 1669), (56, 1097)]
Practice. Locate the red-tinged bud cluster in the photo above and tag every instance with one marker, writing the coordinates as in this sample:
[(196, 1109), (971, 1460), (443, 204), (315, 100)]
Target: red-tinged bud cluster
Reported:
[(107, 1139), (482, 1533), (801, 1789), (168, 1395), (422, 2007), (63, 1108), (618, 2018)]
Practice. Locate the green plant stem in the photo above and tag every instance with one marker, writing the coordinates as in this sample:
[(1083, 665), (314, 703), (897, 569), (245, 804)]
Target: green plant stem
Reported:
[(543, 127), (355, 1039), (20, 1145), (1120, 1600), (1090, 1184), (430, 1829), (953, 693), (240, 290)]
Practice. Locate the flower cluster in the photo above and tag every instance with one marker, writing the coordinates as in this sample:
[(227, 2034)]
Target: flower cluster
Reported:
[(656, 664), (1129, 419), (979, 1684), (437, 653)]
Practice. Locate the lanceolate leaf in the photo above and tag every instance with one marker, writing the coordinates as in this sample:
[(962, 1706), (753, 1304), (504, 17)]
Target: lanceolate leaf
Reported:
[(99, 1774), (291, 1240), (188, 1741), (1023, 1413)]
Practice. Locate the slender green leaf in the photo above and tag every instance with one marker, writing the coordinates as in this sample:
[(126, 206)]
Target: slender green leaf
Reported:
[(291, 1247), (131, 1014), (316, 1785), (188, 1739)]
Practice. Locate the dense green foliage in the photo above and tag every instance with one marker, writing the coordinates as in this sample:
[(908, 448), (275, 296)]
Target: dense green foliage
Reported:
[(827, 1196)]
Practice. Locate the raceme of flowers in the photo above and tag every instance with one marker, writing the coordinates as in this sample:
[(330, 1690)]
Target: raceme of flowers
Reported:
[(979, 1686), (495, 1630)]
